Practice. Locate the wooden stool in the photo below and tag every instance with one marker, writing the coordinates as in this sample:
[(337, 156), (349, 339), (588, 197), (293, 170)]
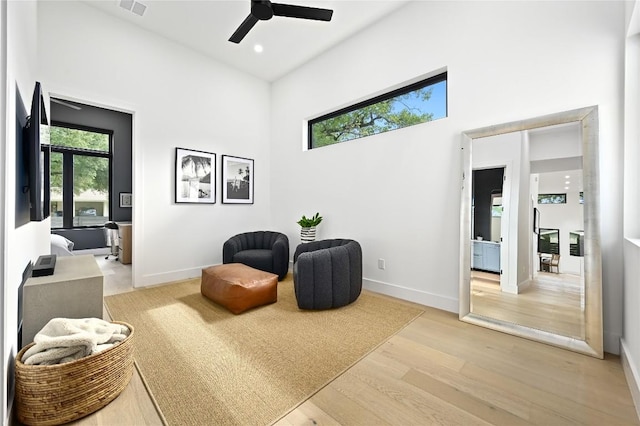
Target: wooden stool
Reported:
[(238, 287)]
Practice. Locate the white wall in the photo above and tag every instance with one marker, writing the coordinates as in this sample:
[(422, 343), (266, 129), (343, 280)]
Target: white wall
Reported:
[(631, 333), (525, 215), (506, 61), (26, 243), (179, 99), (564, 141), (505, 151)]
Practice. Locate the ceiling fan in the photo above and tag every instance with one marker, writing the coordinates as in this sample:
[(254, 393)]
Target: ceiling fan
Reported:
[(263, 10)]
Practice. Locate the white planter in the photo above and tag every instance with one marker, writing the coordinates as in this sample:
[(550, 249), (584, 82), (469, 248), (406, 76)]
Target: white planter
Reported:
[(308, 234)]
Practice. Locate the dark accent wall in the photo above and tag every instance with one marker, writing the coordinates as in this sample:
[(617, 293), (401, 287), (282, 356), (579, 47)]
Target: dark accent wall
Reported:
[(121, 125), (485, 183)]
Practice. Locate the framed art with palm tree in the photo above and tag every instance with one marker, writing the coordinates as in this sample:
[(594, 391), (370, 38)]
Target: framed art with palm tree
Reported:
[(195, 176), (237, 180)]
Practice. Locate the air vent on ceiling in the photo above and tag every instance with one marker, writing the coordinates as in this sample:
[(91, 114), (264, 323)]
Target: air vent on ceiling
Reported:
[(133, 6)]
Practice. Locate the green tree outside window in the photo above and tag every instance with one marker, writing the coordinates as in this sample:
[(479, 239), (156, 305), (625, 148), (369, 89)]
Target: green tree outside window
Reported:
[(414, 107), (90, 173)]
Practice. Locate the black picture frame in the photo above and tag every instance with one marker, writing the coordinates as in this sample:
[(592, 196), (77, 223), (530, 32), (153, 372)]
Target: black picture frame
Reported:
[(536, 221), (195, 176), (237, 180)]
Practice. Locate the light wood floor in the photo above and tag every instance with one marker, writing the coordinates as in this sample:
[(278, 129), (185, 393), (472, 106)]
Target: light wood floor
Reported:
[(552, 302), (440, 371)]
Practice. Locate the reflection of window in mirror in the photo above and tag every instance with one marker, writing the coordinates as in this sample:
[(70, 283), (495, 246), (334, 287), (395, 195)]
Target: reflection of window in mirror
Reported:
[(496, 216), (552, 198), (549, 241), (576, 243), (496, 205)]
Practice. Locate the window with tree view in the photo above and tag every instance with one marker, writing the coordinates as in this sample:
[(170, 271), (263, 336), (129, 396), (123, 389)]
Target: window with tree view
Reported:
[(80, 170), (417, 103)]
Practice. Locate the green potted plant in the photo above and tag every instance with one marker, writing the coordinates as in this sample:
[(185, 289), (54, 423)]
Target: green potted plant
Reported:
[(308, 227)]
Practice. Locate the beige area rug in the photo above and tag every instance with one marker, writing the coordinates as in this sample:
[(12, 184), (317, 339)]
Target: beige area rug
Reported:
[(205, 365)]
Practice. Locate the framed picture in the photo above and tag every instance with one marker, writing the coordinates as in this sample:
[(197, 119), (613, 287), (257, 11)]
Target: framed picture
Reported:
[(126, 199), (536, 221), (237, 180), (195, 176)]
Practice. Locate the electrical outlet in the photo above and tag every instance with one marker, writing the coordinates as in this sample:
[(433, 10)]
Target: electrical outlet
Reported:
[(381, 264)]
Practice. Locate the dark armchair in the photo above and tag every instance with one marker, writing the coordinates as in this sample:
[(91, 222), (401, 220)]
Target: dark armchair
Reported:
[(264, 250), (327, 274)]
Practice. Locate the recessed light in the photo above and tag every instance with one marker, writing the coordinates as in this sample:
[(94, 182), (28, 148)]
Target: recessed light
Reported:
[(567, 183), (566, 187), (258, 48), (566, 177)]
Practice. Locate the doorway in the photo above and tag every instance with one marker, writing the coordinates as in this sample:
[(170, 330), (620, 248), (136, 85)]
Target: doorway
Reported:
[(87, 234)]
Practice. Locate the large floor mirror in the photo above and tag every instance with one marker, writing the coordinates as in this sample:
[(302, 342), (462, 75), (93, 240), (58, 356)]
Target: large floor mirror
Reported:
[(530, 241)]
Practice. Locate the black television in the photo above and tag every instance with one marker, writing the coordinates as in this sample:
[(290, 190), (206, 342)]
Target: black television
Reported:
[(38, 156)]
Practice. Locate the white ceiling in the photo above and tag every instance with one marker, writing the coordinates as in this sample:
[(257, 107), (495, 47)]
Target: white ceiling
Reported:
[(206, 25), (556, 182)]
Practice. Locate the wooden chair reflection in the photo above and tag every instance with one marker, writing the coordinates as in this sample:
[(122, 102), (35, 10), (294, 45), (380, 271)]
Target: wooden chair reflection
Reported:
[(548, 263)]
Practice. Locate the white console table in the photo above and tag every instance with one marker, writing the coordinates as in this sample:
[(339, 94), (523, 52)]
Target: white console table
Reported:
[(75, 290)]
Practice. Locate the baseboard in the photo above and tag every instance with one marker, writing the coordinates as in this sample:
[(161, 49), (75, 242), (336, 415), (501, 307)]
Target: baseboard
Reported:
[(524, 285), (167, 277), (412, 295), (96, 251), (409, 294), (631, 374)]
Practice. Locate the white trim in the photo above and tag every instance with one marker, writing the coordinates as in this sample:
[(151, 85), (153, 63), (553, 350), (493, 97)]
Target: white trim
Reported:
[(633, 26), (167, 277), (93, 252), (631, 374), (4, 119), (525, 284), (412, 295)]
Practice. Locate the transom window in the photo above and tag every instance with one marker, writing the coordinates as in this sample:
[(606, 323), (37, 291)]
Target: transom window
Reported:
[(80, 177), (552, 198), (416, 103)]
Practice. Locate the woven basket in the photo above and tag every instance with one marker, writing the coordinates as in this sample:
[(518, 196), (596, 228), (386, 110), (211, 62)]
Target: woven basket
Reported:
[(56, 394)]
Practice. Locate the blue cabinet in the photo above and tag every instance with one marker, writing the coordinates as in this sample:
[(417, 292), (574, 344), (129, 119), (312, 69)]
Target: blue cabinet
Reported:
[(486, 256)]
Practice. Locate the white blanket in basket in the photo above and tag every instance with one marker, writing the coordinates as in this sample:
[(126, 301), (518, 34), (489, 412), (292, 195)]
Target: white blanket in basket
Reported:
[(65, 339)]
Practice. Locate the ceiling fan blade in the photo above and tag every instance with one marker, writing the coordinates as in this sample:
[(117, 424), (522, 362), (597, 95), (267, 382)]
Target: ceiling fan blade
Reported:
[(304, 12), (243, 29)]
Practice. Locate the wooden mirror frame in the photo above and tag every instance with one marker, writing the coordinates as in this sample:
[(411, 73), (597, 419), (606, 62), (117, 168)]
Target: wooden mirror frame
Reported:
[(593, 343)]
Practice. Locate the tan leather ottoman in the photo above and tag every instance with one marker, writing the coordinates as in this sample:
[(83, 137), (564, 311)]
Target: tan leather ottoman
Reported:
[(238, 287)]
